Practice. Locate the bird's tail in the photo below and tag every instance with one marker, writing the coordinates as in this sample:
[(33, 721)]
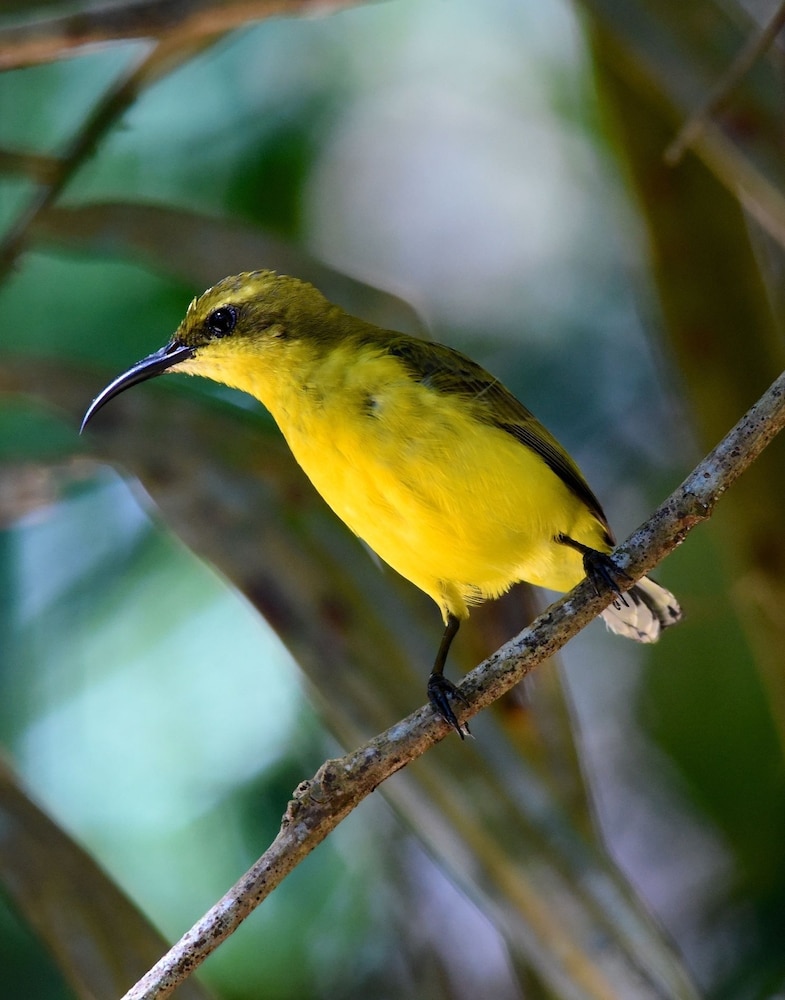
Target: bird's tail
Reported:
[(643, 611)]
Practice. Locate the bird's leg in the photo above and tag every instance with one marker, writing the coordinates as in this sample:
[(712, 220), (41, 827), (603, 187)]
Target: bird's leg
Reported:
[(600, 569), (440, 689)]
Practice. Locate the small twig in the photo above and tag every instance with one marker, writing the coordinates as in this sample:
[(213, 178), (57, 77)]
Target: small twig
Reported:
[(45, 39), (756, 45), (164, 57), (179, 29), (340, 785), (38, 167)]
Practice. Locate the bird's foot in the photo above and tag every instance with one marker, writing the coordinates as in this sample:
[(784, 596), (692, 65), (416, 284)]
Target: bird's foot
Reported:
[(604, 575), (601, 571), (441, 692)]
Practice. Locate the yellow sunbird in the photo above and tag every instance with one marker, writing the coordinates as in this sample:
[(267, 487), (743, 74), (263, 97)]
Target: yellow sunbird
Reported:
[(422, 453)]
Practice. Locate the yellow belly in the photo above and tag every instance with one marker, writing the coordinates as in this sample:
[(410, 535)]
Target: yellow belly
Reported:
[(458, 507)]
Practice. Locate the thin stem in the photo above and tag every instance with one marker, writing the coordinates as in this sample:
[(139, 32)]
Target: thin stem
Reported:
[(161, 59), (721, 93), (45, 39)]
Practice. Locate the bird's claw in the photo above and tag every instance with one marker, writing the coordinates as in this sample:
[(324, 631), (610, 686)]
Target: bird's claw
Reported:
[(605, 575), (441, 692)]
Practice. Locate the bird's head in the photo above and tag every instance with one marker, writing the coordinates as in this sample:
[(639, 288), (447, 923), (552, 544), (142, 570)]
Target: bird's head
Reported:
[(244, 324)]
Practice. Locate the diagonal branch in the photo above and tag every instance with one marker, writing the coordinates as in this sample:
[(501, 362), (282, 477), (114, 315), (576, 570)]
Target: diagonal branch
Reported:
[(180, 30), (161, 59), (44, 39), (722, 92), (340, 785)]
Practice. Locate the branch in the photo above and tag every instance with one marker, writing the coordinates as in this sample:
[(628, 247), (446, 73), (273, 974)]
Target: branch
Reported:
[(181, 30), (722, 92), (41, 39), (162, 58), (340, 785)]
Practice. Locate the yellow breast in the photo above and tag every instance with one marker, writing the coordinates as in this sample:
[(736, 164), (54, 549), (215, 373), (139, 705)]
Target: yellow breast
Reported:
[(455, 505)]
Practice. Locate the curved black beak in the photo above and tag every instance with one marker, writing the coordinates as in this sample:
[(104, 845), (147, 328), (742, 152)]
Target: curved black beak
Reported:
[(154, 364)]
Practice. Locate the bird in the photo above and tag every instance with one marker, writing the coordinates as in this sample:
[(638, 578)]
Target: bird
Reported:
[(423, 454)]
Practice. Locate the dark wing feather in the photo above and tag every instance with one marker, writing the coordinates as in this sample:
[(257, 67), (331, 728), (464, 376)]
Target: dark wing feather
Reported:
[(448, 371)]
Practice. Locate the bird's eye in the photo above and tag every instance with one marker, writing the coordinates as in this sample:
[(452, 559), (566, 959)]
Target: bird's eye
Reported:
[(222, 321)]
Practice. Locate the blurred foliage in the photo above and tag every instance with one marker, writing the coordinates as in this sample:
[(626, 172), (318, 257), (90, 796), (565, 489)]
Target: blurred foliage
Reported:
[(493, 174)]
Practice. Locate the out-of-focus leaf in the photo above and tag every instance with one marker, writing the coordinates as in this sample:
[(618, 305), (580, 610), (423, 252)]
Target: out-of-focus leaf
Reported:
[(203, 249), (99, 939)]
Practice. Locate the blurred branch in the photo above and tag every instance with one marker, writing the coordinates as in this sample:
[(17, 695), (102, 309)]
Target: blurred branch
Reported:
[(183, 30), (34, 166), (761, 196), (162, 59), (44, 39), (756, 45), (675, 54), (320, 804)]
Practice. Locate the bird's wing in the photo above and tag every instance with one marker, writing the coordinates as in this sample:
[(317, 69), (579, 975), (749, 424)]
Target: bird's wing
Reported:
[(447, 370)]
